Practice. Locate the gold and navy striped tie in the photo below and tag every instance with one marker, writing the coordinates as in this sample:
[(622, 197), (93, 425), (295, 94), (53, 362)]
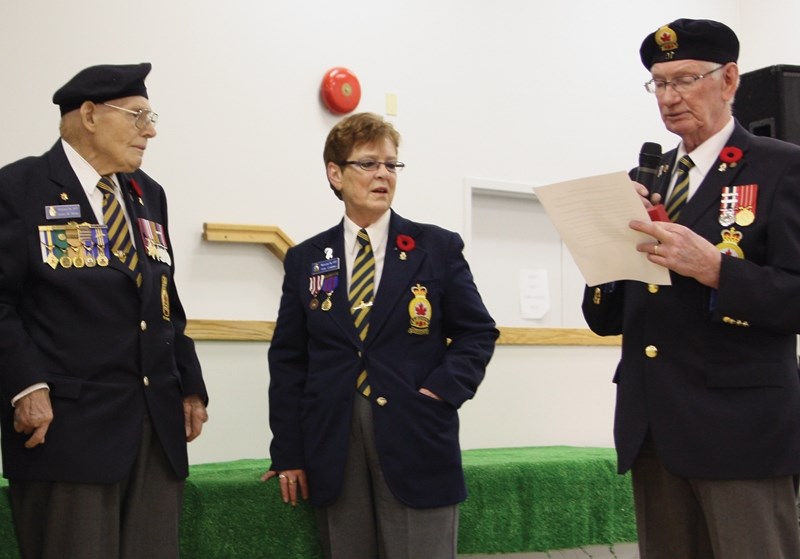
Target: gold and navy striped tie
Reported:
[(361, 291), (681, 191), (119, 237)]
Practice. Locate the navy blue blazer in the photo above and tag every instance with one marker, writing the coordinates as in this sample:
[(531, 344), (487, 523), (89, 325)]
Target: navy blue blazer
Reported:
[(721, 396), (110, 351), (316, 355)]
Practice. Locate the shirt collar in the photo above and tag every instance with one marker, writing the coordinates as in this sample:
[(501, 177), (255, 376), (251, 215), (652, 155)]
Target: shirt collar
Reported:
[(87, 175), (706, 154), (378, 233)]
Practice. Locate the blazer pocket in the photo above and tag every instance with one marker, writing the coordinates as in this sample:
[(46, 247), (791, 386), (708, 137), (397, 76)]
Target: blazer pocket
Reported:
[(752, 375)]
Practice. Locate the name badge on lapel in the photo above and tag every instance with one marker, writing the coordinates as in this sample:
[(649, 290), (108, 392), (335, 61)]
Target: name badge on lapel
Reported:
[(325, 266), (62, 211)]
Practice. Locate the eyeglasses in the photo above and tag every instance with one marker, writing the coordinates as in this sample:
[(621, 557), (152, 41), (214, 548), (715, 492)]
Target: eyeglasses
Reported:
[(371, 165), (144, 118), (681, 84)]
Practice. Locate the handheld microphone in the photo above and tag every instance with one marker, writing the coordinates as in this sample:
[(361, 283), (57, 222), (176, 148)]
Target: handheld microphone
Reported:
[(649, 158)]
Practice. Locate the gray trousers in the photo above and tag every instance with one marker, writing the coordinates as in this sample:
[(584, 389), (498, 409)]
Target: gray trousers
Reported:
[(368, 522), (133, 519), (712, 519)]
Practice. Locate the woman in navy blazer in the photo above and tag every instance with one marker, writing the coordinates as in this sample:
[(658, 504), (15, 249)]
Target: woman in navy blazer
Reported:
[(383, 470)]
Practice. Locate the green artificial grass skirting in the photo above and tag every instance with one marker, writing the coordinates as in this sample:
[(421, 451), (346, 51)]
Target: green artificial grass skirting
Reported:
[(520, 499)]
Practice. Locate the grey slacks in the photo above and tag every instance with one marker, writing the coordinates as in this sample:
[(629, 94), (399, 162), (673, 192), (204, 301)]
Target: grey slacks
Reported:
[(712, 519), (368, 522), (133, 519)]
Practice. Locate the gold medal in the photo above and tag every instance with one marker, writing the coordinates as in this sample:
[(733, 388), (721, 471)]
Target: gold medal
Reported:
[(102, 261), (52, 260), (744, 217), (91, 262), (746, 204), (327, 304), (313, 304), (78, 262), (65, 261)]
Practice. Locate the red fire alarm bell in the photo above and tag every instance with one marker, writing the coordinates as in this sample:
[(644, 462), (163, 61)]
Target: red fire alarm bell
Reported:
[(340, 90)]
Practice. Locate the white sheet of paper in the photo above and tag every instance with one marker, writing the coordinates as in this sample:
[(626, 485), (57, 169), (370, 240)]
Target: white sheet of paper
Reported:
[(534, 294), (592, 216)]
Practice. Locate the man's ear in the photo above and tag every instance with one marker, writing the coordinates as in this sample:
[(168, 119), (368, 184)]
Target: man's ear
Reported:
[(88, 115), (731, 77)]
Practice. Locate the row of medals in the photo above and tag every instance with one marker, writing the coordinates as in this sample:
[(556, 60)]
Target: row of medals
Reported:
[(77, 239), (326, 305), (78, 261), (743, 217)]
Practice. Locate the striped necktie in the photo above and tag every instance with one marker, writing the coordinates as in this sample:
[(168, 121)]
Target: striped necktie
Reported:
[(361, 292), (681, 191), (119, 238)]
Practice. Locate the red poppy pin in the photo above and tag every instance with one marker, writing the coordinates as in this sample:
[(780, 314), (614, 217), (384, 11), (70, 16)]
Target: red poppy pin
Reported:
[(405, 244), (730, 155), (137, 189)]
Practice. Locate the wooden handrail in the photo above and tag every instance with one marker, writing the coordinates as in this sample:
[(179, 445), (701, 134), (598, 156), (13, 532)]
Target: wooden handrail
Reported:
[(276, 240)]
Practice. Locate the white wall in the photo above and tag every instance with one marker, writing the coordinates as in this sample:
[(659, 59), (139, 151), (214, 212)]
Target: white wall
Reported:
[(517, 91)]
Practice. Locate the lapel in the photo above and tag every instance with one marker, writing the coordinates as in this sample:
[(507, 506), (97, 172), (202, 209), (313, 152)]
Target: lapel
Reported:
[(707, 197), (340, 310), (664, 175), (396, 275), (135, 211), (66, 184)]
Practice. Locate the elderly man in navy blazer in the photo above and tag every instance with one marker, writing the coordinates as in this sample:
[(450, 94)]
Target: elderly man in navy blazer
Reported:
[(708, 397), (381, 336), (100, 388)]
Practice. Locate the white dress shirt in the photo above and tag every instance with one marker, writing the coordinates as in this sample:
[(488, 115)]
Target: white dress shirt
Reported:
[(378, 236), (703, 157)]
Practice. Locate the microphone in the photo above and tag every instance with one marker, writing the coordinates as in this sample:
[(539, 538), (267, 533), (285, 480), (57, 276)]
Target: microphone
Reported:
[(649, 158)]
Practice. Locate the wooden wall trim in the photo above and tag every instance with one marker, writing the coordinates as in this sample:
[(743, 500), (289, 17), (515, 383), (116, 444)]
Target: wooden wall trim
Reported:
[(278, 243), (261, 331)]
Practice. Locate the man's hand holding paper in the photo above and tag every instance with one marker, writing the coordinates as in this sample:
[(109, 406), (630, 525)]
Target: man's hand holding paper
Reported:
[(594, 216)]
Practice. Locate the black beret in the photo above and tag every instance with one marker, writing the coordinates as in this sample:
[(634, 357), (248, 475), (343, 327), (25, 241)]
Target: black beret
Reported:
[(101, 83), (690, 39)]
